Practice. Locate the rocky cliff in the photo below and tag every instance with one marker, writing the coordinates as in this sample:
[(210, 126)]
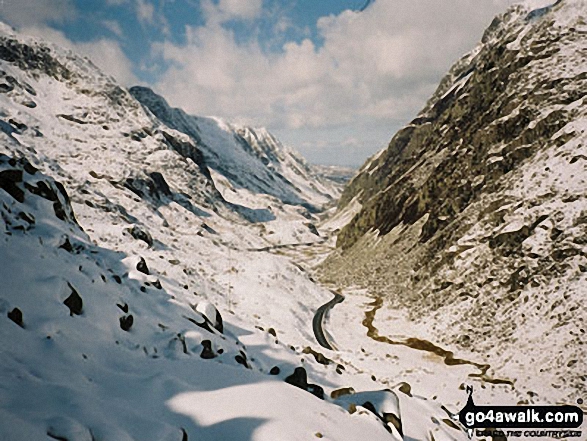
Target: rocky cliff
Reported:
[(474, 217)]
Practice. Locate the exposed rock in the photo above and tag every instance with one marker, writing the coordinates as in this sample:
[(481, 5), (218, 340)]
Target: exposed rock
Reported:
[(207, 352), (142, 266), (316, 390), (211, 314), (299, 378), (74, 302), (241, 358), (126, 322), (139, 233), (319, 357), (16, 316), (472, 209), (8, 180), (342, 391)]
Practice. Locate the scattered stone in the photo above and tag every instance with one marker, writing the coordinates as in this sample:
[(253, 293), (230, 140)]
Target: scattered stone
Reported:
[(405, 388), (272, 332), (66, 245), (207, 352), (316, 390), (142, 266), (211, 314), (123, 307), (140, 233), (8, 180), (16, 316), (74, 302), (341, 392), (117, 279), (320, 358), (274, 370), (242, 359), (299, 378), (126, 322)]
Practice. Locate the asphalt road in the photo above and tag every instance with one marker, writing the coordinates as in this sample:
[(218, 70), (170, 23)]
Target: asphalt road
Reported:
[(318, 321)]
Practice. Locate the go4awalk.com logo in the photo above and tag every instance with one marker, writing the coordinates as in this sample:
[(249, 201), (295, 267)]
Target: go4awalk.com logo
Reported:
[(518, 421)]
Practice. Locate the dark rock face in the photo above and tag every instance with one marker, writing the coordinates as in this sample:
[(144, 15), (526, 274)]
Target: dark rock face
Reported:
[(316, 390), (430, 165), (161, 186)]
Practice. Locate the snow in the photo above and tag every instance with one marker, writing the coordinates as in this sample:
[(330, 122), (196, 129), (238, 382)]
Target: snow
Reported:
[(237, 241), (167, 375)]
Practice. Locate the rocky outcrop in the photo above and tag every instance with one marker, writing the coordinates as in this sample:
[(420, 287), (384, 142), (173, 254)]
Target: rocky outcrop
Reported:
[(475, 210)]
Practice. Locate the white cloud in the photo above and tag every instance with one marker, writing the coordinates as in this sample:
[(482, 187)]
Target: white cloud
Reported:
[(104, 53), (227, 10), (113, 26), (145, 11), (30, 12), (374, 67)]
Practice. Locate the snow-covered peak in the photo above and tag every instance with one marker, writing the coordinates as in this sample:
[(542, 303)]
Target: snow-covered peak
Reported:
[(247, 157)]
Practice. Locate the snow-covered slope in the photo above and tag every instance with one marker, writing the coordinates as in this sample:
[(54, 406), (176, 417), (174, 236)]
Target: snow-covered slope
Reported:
[(472, 222), (245, 156), (118, 244), (93, 347)]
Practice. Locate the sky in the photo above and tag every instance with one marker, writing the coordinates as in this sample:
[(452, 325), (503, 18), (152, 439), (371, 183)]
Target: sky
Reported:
[(334, 79)]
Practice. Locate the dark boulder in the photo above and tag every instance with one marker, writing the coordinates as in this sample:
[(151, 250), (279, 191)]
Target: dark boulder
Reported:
[(142, 266), (16, 316), (8, 180), (207, 352), (126, 322), (299, 378), (74, 302), (140, 233)]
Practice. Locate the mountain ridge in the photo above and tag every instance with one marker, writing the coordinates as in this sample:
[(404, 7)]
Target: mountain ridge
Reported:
[(473, 212)]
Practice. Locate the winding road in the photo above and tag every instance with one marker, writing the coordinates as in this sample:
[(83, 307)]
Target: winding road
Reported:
[(318, 321)]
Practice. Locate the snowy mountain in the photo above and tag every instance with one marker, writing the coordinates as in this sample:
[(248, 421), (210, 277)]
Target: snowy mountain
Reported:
[(472, 221), (245, 156), (153, 289)]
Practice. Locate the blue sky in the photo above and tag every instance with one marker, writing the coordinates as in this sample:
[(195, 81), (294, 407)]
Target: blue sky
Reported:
[(332, 78)]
